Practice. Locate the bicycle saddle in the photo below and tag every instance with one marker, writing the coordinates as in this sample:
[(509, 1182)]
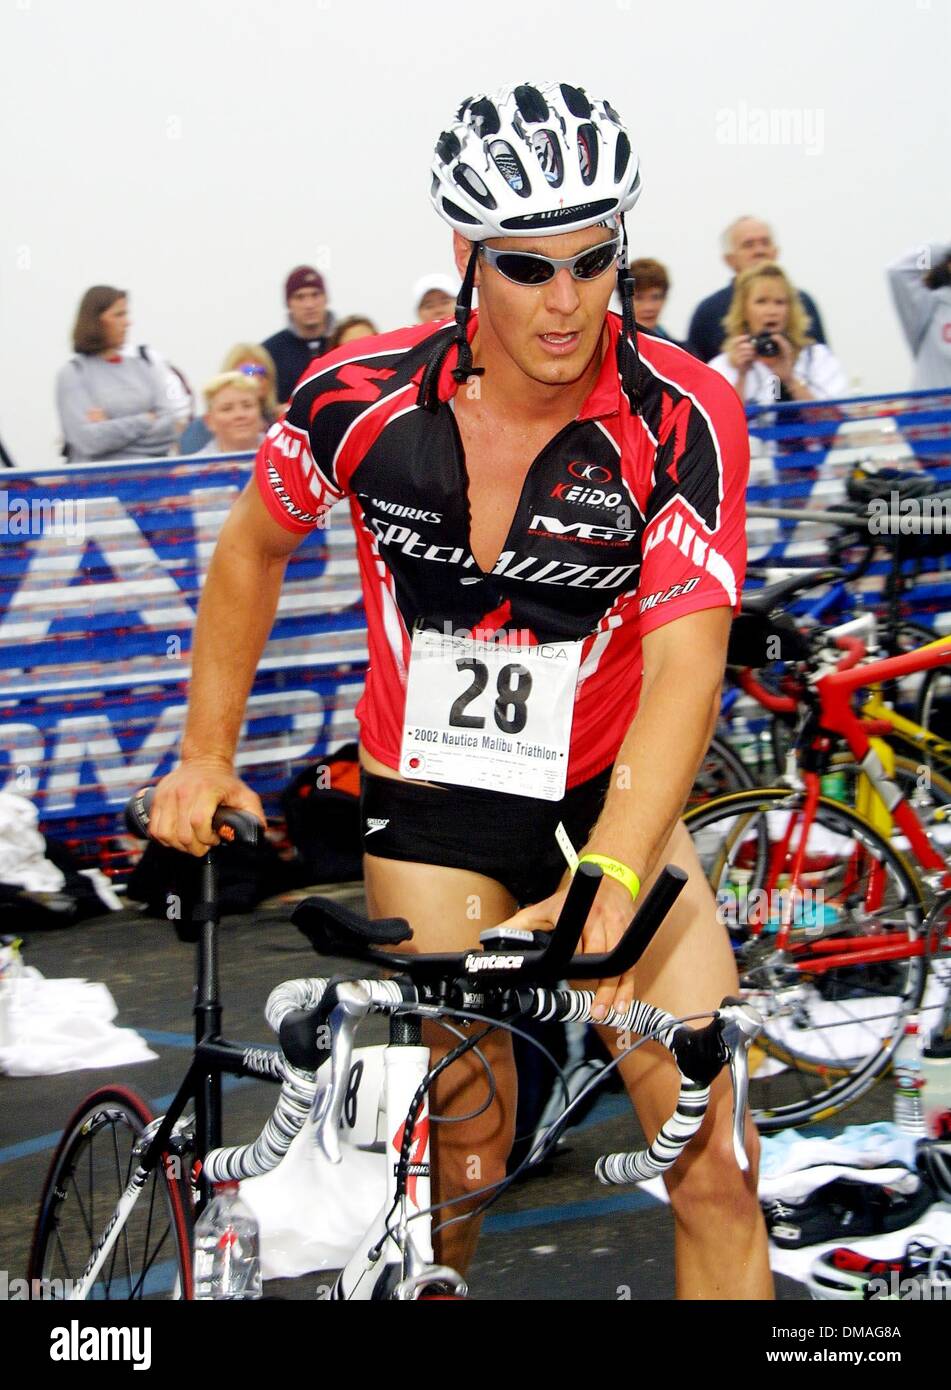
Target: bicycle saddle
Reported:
[(762, 602), (335, 930)]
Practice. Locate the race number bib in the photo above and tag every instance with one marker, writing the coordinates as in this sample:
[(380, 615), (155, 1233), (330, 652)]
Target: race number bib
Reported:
[(480, 714)]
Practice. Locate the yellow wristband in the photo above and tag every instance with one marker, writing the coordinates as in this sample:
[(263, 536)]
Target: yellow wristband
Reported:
[(616, 870)]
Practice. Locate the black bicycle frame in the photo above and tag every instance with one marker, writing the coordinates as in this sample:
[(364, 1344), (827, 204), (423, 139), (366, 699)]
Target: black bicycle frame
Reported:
[(213, 1056)]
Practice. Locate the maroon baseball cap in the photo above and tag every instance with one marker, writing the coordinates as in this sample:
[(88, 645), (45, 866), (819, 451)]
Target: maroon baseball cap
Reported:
[(305, 277)]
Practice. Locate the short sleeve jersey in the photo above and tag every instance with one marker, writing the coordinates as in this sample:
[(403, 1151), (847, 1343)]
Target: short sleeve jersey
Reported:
[(625, 522)]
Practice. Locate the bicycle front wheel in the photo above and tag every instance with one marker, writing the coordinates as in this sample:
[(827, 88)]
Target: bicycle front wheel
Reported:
[(91, 1168), (835, 998)]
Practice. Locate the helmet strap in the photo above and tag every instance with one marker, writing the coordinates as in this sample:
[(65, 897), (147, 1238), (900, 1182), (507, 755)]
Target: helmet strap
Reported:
[(464, 368), (628, 358), (428, 395)]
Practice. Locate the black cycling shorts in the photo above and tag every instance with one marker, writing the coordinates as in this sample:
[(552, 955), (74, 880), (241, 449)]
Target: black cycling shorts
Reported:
[(508, 838)]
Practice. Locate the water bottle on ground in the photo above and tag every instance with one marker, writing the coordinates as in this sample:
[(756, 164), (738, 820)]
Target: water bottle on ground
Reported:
[(908, 1111), (227, 1263)]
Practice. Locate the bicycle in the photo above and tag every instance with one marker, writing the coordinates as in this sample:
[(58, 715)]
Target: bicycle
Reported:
[(178, 1156), (838, 916)]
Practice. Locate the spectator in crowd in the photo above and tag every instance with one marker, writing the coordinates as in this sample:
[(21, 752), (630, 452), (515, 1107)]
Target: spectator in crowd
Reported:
[(745, 243), (651, 287), (252, 361), (434, 298), (112, 404), (921, 288), (768, 355), (233, 414), (309, 333), (356, 326)]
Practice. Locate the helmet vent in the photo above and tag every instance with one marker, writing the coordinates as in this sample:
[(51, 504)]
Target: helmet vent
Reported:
[(576, 101), (531, 104), (554, 217), (467, 178), (459, 214), (588, 153), (448, 146), (510, 167), (545, 145), (485, 117), (622, 154)]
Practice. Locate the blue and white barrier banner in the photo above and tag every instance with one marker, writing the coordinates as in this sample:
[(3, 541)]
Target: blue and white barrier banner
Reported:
[(101, 568), (801, 456)]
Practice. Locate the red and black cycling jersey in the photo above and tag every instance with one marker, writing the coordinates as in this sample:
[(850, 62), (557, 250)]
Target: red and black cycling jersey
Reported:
[(624, 522)]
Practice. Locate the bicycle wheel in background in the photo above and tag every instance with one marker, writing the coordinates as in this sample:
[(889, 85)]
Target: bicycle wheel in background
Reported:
[(720, 773), (91, 1168), (933, 712), (829, 1033)]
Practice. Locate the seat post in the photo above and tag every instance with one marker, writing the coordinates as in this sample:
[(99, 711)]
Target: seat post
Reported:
[(207, 1006)]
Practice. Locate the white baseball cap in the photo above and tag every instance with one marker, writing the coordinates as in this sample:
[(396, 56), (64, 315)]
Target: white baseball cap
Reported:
[(446, 284)]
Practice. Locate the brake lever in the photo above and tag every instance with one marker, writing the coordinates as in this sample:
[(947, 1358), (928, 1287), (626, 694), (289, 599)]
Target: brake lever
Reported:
[(741, 1024), (353, 1005)]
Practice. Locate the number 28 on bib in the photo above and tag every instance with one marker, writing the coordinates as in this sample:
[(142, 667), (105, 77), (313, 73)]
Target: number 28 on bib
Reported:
[(481, 714)]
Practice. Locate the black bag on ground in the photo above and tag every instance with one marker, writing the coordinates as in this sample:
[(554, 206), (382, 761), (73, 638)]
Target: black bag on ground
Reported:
[(322, 810), (168, 882), (23, 911)]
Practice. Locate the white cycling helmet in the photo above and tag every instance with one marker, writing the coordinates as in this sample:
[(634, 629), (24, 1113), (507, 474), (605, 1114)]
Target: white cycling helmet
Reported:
[(532, 159)]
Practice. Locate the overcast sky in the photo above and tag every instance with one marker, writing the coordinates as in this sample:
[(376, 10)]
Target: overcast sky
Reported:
[(193, 151)]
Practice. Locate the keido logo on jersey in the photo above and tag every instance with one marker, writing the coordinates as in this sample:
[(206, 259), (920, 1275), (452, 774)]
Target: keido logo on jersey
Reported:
[(586, 496), (590, 472)]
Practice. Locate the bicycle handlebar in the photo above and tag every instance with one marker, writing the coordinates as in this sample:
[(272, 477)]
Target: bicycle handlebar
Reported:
[(699, 1055), (546, 958), (777, 704), (855, 651), (230, 825)]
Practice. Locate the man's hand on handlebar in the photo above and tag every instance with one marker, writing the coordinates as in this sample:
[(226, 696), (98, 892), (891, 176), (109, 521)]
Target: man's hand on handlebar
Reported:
[(607, 922), (187, 798)]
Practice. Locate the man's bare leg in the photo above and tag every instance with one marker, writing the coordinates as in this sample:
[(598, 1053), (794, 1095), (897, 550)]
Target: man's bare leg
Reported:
[(720, 1236), (447, 909)]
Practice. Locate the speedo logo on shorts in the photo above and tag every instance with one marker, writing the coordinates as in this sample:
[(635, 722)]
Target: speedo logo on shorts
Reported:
[(374, 823), (477, 961)]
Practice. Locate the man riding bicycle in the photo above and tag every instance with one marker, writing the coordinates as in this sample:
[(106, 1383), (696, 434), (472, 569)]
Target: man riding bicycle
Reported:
[(549, 514)]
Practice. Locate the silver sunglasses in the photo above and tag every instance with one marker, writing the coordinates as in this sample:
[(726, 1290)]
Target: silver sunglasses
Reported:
[(528, 268)]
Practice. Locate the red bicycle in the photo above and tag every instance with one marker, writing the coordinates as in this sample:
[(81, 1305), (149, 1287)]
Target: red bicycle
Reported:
[(839, 914)]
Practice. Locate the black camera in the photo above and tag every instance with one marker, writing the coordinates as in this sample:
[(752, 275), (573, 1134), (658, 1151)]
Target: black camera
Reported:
[(766, 345)]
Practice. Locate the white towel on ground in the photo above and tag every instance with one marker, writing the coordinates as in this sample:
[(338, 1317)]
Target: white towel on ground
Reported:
[(53, 1026)]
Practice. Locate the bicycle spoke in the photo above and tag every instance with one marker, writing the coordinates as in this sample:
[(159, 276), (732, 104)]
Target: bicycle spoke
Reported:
[(125, 1225), (151, 1261), (82, 1210), (62, 1251), (148, 1224)]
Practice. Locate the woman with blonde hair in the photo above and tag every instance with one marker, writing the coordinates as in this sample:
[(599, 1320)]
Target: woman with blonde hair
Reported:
[(233, 415), (768, 355), (255, 363)]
